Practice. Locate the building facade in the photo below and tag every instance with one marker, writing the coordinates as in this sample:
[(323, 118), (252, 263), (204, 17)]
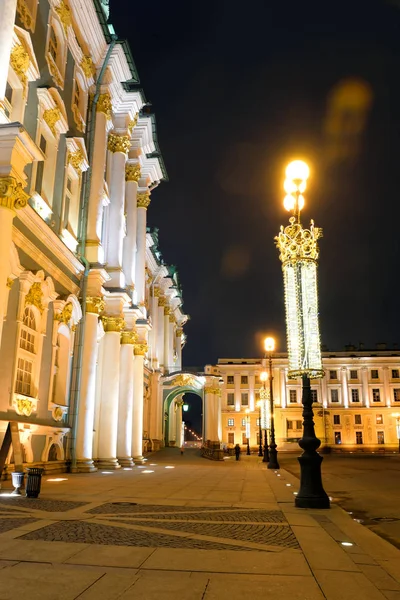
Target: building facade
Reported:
[(90, 315), (355, 403)]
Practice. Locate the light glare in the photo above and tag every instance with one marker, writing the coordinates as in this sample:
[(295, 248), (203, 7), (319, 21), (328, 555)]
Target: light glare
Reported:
[(297, 169), (289, 202), (269, 344)]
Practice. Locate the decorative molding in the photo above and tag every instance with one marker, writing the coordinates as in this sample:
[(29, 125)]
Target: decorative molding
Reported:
[(129, 337), (212, 390), (172, 318), (133, 123), (119, 143), (10, 282), (104, 105), (132, 172), (184, 380), (25, 15), (19, 61), (65, 315), (87, 66), (143, 199), (167, 311), (57, 413), (179, 332), (51, 116), (156, 292), (12, 196), (113, 323), (65, 15), (140, 349), (76, 159), (23, 406), (94, 304), (295, 243), (162, 301), (35, 295)]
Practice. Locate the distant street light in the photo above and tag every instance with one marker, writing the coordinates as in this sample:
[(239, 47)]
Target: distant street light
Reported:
[(248, 431), (299, 252), (269, 345), (185, 407), (397, 417)]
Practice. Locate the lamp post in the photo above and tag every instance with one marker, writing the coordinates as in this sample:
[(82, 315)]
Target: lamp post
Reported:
[(260, 448), (397, 417), (265, 414), (299, 252), (269, 345), (248, 431)]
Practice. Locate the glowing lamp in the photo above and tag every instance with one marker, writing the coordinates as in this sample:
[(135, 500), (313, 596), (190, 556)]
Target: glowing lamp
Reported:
[(185, 407), (263, 375), (289, 202), (269, 344), (297, 170)]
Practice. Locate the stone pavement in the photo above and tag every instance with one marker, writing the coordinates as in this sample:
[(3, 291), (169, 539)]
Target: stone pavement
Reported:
[(185, 528)]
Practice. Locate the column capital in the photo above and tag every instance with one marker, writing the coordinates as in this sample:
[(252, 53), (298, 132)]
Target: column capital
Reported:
[(162, 301), (104, 105), (212, 390), (133, 123), (118, 143), (94, 304), (143, 199), (76, 159), (179, 332), (113, 323), (140, 349), (167, 310), (12, 196), (156, 292), (172, 318), (132, 172), (65, 315), (129, 337)]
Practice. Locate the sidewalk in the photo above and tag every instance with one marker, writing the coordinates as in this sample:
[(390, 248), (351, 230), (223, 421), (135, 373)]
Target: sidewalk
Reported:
[(185, 528)]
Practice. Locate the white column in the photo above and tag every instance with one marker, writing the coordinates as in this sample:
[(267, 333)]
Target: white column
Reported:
[(345, 389), (171, 339), (84, 432), (219, 417), (124, 440), (132, 174), (118, 145), (364, 381), (282, 375), (156, 416), (167, 363), (137, 416), (178, 426), (94, 252), (108, 417), (238, 396), (143, 201), (386, 387), (7, 20), (160, 332), (179, 332), (172, 424), (324, 392), (154, 330), (251, 391), (212, 421)]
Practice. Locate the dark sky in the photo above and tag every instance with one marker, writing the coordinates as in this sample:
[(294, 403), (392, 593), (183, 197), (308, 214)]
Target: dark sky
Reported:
[(238, 90)]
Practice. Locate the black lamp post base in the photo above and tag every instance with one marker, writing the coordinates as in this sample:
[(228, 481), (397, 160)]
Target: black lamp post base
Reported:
[(273, 457), (311, 493)]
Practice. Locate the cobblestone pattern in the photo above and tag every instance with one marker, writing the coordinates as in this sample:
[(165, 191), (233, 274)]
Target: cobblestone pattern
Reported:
[(8, 524), (91, 533), (38, 504), (270, 535), (130, 507)]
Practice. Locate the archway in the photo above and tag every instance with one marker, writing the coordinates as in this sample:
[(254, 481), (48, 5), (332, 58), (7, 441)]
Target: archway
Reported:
[(173, 413), (193, 420)]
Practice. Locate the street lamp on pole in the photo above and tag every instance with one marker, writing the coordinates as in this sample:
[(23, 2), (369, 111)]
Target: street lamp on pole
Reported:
[(299, 253), (269, 345), (397, 417), (260, 448), (248, 431), (265, 413)]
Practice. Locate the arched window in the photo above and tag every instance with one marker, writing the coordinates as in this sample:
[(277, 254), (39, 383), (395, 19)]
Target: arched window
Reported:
[(27, 353)]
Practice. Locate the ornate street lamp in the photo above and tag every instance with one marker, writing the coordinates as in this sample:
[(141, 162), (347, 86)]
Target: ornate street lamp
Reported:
[(265, 413), (269, 345), (299, 254), (397, 417), (248, 431)]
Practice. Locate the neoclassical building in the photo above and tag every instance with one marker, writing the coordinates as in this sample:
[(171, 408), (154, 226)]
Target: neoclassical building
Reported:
[(355, 403), (90, 315)]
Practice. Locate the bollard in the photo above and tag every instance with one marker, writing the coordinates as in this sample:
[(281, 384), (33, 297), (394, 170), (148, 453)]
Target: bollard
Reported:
[(34, 482)]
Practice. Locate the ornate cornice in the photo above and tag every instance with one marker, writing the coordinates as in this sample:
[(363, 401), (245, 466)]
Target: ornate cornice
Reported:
[(296, 243), (119, 143), (12, 196), (132, 172), (143, 199), (162, 301), (76, 159), (94, 304), (51, 116), (156, 292), (19, 61), (133, 123), (35, 295), (65, 315), (104, 105), (167, 311), (65, 15), (212, 390), (129, 337), (113, 323), (87, 66), (183, 380), (140, 349)]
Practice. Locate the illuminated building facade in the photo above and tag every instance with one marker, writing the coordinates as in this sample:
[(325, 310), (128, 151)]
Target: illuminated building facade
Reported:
[(90, 316), (353, 403)]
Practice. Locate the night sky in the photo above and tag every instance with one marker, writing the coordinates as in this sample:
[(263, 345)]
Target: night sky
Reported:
[(238, 90)]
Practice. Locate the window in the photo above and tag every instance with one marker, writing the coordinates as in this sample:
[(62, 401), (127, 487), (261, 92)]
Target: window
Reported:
[(338, 437), (299, 425), (244, 438), (395, 373), (314, 395), (53, 45), (244, 380), (230, 400), (8, 96), (336, 419), (231, 438), (359, 437), (243, 422), (334, 395), (357, 420), (23, 382), (27, 355), (396, 395), (40, 166), (292, 396), (231, 422), (355, 395), (289, 425), (56, 51), (376, 395), (245, 399), (374, 374), (332, 374), (230, 379), (353, 374), (381, 437)]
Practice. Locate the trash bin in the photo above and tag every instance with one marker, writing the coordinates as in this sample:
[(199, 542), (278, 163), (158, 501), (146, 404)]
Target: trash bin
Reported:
[(34, 482)]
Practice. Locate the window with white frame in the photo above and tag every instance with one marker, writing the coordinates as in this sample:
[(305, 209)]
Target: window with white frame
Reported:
[(396, 395), (245, 399), (292, 396), (27, 353), (355, 395), (332, 374), (62, 366), (231, 422), (374, 374), (79, 100), (230, 379), (230, 399), (8, 100), (353, 374), (56, 51), (334, 395), (70, 207), (376, 395), (244, 380)]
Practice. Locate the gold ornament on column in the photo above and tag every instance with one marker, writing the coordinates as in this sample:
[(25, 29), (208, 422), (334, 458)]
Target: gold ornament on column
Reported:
[(119, 143), (65, 15), (132, 172), (94, 304), (12, 196), (129, 337), (113, 323), (140, 349), (167, 310), (162, 301), (35, 295), (76, 159), (25, 14), (172, 318), (133, 123), (87, 66), (19, 61), (179, 332), (143, 199), (65, 315), (10, 282), (51, 116), (104, 105), (212, 390)]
